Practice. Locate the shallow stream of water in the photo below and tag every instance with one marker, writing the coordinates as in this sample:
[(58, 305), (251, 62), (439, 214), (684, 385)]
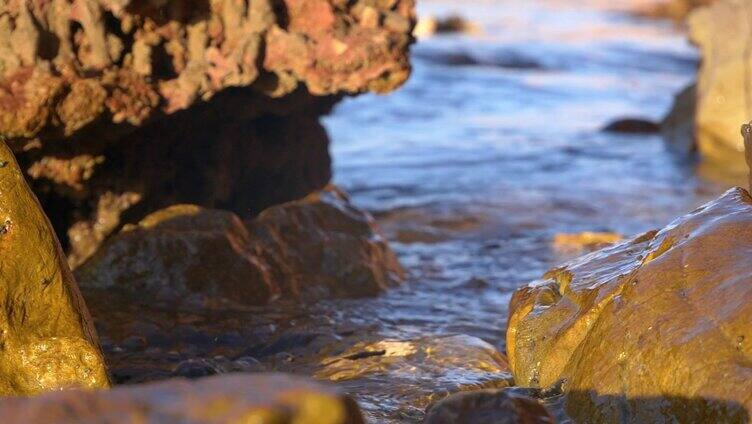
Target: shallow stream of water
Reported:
[(491, 149), (494, 146)]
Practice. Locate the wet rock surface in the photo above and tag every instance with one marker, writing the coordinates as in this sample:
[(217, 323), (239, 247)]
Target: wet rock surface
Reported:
[(450, 363), (655, 328), (489, 406), (119, 108), (317, 247), (585, 241), (48, 340), (262, 398)]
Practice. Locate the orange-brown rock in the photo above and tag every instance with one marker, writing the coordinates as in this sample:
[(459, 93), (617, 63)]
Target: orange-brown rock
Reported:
[(47, 341), (673, 9), (117, 108), (489, 406), (124, 61), (587, 240), (316, 247), (401, 368), (233, 398), (653, 329)]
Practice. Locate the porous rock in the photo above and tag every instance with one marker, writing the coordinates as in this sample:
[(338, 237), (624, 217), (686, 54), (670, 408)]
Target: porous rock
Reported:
[(47, 339), (117, 108), (653, 329)]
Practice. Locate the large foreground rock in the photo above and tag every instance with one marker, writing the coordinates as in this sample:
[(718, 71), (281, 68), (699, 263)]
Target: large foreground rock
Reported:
[(117, 108), (722, 99), (47, 341), (234, 398), (317, 247), (653, 329)]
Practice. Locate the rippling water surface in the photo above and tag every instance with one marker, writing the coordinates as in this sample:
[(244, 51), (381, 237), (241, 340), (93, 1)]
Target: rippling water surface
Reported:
[(494, 146), (491, 149)]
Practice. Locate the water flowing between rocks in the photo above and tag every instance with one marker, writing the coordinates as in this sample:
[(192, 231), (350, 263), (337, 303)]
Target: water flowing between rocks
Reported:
[(492, 148)]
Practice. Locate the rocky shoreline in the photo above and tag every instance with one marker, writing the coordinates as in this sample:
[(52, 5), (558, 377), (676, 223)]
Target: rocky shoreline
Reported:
[(178, 152)]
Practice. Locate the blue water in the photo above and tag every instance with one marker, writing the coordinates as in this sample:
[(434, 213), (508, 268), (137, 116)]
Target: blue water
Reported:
[(495, 145)]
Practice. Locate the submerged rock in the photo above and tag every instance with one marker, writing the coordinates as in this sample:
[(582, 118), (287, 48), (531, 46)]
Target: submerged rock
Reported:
[(48, 341), (653, 329), (452, 24), (632, 126), (317, 247), (415, 372), (723, 94), (236, 398), (489, 406)]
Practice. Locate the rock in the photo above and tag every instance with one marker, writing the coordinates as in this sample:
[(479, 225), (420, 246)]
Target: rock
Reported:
[(489, 406), (632, 126), (432, 25), (653, 329), (678, 127), (672, 9), (723, 90), (317, 247), (48, 340), (587, 240), (400, 369), (262, 398), (117, 108), (747, 136)]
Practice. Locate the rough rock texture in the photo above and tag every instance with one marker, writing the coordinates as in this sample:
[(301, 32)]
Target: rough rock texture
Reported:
[(402, 367), (48, 342), (69, 63), (724, 87), (121, 107), (653, 329), (316, 247), (489, 406), (233, 398)]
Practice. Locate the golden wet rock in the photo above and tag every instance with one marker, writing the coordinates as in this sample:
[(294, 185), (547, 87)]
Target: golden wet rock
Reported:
[(397, 370), (47, 339), (584, 241), (319, 246), (653, 329), (231, 398)]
